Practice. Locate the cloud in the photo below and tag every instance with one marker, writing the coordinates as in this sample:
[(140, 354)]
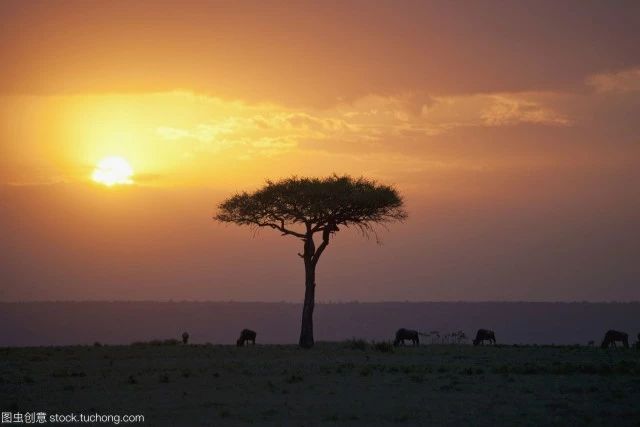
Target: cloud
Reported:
[(621, 81), (210, 137), (266, 134), (492, 110), (372, 120), (505, 110), (177, 133)]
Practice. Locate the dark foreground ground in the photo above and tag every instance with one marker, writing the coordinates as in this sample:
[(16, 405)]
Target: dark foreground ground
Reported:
[(332, 384)]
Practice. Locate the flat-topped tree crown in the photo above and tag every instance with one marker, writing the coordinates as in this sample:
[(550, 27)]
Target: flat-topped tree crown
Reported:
[(315, 205), (301, 207)]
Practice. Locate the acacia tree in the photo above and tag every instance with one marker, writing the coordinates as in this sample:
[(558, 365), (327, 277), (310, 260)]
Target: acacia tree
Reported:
[(302, 207)]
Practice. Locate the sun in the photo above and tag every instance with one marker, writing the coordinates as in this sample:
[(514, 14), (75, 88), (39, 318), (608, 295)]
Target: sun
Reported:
[(113, 170)]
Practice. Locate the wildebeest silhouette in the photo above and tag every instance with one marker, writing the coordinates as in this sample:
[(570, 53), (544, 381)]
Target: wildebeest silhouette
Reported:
[(406, 334), (484, 335), (185, 337), (245, 336), (612, 336)]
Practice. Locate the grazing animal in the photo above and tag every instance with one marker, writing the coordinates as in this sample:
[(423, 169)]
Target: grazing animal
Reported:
[(185, 337), (612, 336), (406, 334), (484, 335), (245, 336)]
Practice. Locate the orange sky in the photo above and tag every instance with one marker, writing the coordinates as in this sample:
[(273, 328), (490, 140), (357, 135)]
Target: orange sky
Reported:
[(511, 128)]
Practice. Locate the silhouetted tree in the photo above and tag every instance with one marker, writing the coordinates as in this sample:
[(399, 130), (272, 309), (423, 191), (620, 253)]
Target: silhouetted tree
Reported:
[(302, 207)]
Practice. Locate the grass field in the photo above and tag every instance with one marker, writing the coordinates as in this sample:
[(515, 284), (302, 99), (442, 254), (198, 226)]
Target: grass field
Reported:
[(334, 384)]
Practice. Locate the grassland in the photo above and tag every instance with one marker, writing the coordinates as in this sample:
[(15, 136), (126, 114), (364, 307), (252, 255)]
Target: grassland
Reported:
[(332, 384)]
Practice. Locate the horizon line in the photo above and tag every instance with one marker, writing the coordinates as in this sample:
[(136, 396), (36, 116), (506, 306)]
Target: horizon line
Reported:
[(175, 301)]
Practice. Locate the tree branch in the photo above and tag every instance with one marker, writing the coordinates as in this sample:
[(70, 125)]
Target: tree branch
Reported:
[(280, 227), (326, 235)]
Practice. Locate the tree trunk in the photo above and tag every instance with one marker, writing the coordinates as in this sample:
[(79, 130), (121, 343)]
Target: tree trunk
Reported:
[(306, 331)]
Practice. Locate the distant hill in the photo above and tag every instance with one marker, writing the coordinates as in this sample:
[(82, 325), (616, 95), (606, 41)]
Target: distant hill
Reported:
[(64, 323)]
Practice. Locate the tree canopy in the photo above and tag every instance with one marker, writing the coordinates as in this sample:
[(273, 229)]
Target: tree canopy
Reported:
[(303, 206)]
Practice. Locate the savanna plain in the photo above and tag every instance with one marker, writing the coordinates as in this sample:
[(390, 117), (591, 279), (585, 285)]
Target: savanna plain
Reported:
[(341, 383)]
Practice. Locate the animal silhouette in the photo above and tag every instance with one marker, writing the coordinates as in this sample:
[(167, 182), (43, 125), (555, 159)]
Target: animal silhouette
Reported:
[(484, 335), (245, 336), (185, 337), (612, 336), (406, 334)]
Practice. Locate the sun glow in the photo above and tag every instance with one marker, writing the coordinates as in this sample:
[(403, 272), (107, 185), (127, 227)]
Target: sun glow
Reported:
[(112, 171)]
